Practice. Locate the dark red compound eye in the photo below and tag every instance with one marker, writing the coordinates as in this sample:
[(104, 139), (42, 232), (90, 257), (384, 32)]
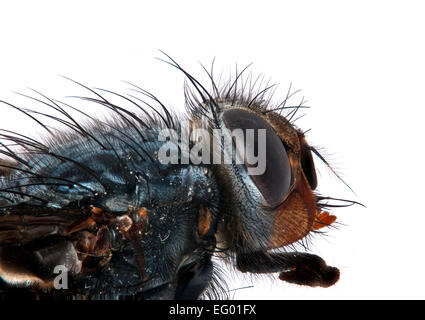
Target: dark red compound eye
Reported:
[(275, 182)]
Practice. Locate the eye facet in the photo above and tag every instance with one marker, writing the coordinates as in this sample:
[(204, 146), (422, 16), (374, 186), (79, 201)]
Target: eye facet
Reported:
[(275, 182)]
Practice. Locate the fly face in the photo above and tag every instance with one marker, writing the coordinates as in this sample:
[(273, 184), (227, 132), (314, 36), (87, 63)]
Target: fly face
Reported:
[(285, 185), (128, 220)]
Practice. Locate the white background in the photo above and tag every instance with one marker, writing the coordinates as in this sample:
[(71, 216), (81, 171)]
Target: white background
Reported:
[(360, 65)]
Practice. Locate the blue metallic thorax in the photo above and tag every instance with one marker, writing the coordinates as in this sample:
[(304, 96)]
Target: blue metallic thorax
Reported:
[(79, 172), (119, 174)]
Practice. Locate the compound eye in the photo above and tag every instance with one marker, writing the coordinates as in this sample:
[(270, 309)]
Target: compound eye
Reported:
[(275, 181)]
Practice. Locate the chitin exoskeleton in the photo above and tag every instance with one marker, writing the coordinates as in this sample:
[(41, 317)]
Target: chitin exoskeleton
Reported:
[(136, 206)]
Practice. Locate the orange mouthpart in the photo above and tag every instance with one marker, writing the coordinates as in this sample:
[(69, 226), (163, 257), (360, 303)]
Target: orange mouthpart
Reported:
[(324, 219)]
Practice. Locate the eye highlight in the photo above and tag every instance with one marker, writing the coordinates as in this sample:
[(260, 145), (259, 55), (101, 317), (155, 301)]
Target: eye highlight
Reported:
[(275, 182)]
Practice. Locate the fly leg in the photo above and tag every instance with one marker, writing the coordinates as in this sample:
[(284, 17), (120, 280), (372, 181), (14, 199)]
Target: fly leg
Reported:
[(294, 267), (194, 279)]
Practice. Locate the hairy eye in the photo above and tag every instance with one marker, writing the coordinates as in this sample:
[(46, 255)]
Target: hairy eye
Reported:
[(269, 150)]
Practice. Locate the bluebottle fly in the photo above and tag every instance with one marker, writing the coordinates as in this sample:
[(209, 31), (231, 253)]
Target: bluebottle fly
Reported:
[(98, 201)]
